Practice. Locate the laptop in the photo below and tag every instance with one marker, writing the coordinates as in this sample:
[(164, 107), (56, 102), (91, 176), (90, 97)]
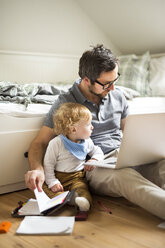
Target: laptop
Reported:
[(143, 142)]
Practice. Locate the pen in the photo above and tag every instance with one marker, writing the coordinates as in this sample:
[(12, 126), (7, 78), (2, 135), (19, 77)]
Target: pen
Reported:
[(105, 208)]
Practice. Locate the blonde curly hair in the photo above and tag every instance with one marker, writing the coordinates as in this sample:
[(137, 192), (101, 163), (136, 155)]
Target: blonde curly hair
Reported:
[(69, 114)]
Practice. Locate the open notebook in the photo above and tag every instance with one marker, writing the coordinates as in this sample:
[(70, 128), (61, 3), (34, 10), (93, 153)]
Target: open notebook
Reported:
[(46, 204), (43, 205)]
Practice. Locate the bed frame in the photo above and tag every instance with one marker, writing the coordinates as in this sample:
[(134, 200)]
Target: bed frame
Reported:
[(16, 133), (24, 67)]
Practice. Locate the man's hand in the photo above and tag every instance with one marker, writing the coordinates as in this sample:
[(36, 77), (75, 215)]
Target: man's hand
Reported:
[(35, 178), (57, 188)]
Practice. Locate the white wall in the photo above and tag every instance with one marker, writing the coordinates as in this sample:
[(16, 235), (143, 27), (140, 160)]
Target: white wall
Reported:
[(48, 26), (42, 40), (134, 26)]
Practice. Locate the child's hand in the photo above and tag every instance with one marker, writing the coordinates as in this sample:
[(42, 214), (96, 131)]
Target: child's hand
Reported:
[(89, 167), (57, 188)]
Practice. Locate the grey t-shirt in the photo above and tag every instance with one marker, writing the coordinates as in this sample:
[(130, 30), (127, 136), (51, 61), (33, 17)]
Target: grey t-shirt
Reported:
[(106, 117)]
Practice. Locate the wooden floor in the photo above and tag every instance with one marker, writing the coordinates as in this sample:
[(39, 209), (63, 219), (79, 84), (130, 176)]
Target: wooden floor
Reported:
[(127, 227)]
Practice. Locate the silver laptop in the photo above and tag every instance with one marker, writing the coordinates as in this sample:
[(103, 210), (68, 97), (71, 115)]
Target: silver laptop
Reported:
[(143, 142)]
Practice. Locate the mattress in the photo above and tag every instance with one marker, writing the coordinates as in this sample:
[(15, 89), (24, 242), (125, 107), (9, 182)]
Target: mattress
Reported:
[(15, 118), (143, 105), (137, 105), (19, 110)]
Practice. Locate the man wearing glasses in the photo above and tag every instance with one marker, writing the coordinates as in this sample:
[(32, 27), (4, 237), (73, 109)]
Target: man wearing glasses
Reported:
[(98, 71)]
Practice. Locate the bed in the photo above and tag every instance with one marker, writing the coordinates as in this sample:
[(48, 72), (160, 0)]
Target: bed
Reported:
[(33, 81)]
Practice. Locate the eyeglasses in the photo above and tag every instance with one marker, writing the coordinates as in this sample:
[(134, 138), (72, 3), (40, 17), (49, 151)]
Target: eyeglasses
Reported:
[(109, 84)]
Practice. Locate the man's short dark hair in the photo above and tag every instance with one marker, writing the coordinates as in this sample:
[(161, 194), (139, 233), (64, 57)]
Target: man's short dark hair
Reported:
[(95, 61)]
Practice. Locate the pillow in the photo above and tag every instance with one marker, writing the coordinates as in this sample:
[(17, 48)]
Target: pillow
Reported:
[(128, 93), (63, 86), (134, 72), (157, 76)]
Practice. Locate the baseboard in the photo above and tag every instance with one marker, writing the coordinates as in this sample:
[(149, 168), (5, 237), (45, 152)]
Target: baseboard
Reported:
[(12, 187)]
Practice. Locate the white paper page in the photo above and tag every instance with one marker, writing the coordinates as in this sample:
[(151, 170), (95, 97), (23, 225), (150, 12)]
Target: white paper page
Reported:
[(46, 225), (45, 203), (42, 199), (30, 208), (106, 163)]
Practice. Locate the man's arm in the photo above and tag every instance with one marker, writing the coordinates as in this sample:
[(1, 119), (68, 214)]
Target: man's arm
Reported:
[(122, 123), (35, 177)]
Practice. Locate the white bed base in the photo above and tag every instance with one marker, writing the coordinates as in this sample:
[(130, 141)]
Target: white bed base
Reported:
[(15, 137)]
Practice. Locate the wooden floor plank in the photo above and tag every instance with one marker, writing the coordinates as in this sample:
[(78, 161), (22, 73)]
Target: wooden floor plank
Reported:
[(127, 226)]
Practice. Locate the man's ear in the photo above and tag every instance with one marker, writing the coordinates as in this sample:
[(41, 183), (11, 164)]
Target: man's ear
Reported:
[(87, 81)]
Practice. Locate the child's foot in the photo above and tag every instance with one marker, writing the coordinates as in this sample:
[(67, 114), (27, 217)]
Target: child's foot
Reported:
[(82, 203)]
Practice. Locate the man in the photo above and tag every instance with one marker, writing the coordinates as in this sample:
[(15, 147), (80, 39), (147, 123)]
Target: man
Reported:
[(98, 70)]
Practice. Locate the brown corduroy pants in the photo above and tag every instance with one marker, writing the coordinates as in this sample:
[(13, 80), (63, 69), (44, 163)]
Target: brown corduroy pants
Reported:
[(70, 181)]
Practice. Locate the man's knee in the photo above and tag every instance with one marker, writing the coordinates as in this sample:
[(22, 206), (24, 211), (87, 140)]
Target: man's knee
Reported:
[(160, 174), (107, 181)]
